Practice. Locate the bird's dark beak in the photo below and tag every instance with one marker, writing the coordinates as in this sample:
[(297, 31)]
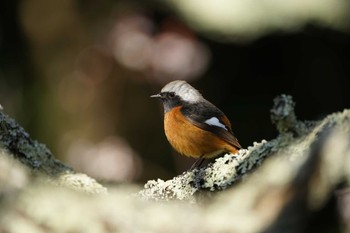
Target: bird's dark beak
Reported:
[(156, 96)]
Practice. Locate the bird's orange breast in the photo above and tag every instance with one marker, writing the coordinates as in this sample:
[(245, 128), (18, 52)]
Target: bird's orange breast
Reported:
[(190, 140)]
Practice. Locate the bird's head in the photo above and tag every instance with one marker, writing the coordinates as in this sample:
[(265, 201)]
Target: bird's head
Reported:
[(177, 93)]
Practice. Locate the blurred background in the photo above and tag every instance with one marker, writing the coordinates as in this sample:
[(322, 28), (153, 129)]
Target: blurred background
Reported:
[(78, 74)]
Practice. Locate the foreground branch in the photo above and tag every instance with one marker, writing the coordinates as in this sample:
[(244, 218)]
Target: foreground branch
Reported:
[(294, 182), (16, 143)]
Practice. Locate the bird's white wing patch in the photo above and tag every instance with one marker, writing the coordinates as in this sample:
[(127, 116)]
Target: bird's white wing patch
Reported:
[(215, 121)]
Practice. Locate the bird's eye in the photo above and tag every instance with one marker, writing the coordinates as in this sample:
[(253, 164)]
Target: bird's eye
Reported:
[(171, 94)]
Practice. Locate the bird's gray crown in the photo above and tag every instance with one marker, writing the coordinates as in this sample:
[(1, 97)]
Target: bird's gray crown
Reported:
[(184, 90)]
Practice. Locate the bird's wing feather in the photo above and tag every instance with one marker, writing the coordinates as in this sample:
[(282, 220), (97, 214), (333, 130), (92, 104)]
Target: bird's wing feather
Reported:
[(202, 116), (220, 132)]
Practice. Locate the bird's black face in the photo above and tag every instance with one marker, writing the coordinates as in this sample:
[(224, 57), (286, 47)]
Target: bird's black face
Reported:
[(170, 100)]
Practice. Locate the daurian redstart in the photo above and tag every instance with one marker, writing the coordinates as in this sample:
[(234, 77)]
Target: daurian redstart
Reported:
[(194, 126)]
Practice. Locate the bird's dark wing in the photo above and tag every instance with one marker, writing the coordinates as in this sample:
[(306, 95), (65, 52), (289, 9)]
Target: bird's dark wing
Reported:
[(203, 116)]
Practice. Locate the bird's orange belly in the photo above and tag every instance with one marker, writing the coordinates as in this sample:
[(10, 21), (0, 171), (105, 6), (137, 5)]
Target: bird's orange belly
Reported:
[(190, 140)]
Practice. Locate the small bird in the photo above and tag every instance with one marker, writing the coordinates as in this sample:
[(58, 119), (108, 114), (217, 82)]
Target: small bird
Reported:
[(195, 127)]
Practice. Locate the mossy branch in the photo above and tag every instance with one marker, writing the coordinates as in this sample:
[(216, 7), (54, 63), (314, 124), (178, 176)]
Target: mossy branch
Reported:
[(288, 183)]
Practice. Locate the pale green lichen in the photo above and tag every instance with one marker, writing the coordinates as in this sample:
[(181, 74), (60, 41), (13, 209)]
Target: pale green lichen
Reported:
[(177, 188), (216, 176)]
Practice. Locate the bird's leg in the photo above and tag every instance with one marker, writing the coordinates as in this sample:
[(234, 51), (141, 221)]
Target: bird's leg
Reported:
[(197, 163)]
